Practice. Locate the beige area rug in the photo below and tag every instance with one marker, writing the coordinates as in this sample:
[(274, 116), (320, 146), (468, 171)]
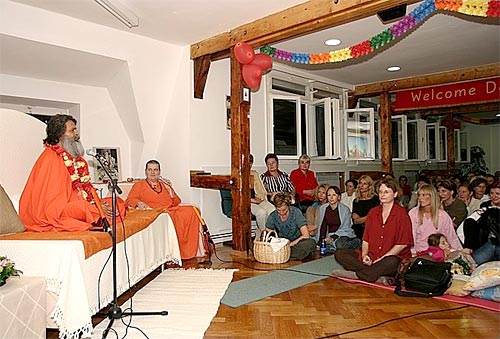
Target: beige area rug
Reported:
[(191, 298)]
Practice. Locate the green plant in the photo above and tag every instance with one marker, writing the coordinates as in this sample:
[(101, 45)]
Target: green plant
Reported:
[(7, 269)]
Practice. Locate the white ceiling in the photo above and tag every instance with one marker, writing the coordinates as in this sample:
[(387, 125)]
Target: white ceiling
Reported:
[(446, 41)]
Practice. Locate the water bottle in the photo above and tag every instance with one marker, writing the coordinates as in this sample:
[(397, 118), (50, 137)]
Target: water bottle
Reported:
[(322, 247)]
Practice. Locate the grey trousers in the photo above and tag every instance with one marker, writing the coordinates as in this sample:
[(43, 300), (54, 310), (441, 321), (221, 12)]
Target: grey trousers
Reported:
[(302, 249)]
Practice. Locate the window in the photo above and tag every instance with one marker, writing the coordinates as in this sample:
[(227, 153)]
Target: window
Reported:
[(416, 145), (284, 125), (461, 146), (443, 144), (436, 140), (304, 117), (360, 134), (432, 140), (398, 137)]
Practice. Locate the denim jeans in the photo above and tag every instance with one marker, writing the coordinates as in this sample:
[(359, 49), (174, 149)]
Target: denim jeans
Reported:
[(487, 252)]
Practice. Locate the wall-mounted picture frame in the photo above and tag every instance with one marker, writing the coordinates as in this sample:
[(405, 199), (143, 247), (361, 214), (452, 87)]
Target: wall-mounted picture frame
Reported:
[(111, 159), (228, 112)]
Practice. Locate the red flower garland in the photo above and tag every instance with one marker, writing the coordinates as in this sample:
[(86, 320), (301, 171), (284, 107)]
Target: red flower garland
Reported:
[(78, 171)]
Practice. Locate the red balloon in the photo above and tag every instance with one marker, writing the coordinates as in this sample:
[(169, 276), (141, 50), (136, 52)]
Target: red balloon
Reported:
[(264, 61), (244, 53), (252, 74)]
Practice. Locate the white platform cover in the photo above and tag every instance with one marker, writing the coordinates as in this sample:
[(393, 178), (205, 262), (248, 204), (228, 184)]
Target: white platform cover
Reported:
[(75, 280)]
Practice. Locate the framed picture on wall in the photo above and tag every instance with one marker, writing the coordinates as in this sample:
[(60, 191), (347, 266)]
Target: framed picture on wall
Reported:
[(228, 112), (110, 157)]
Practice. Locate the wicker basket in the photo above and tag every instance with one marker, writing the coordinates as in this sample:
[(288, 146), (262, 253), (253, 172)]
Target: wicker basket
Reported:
[(263, 252)]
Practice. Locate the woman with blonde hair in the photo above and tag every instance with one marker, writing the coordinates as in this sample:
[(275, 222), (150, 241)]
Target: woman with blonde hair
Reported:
[(428, 218), (364, 202), (312, 212)]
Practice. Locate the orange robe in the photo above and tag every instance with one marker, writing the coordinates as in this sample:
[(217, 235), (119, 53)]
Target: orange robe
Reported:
[(48, 202), (186, 222)]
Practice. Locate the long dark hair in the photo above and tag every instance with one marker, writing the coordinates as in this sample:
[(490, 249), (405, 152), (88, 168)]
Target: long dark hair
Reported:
[(56, 127)]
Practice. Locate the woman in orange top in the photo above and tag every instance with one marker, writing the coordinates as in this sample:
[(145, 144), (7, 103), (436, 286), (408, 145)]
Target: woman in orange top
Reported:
[(154, 192)]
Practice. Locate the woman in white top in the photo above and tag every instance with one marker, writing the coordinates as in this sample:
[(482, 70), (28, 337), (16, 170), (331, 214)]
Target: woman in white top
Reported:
[(466, 194), (350, 193), (427, 219)]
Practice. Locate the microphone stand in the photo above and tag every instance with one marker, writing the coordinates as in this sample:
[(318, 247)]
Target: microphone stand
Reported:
[(115, 311)]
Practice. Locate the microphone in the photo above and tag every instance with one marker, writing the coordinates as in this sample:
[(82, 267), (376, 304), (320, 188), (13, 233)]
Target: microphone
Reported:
[(95, 155), (168, 183)]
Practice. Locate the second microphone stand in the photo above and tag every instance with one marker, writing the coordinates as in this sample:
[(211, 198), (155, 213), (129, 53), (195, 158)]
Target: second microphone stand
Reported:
[(115, 311)]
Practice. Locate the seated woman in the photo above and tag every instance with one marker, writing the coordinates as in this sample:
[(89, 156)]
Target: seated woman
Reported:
[(312, 212), (427, 218), (154, 192), (365, 200), (481, 231), (349, 195), (335, 224), (479, 185), (465, 194), (259, 205), (289, 222), (304, 181), (455, 208), (276, 181), (387, 239)]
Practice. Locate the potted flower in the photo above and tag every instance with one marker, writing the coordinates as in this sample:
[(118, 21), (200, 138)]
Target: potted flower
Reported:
[(7, 269)]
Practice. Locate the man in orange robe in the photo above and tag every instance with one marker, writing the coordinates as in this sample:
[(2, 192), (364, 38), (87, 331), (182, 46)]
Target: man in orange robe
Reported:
[(153, 193), (58, 194)]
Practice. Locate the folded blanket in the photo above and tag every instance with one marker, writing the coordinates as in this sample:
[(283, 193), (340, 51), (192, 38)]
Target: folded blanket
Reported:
[(93, 242)]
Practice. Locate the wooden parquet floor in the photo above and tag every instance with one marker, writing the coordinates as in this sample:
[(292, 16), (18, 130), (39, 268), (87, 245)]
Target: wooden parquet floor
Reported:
[(330, 307)]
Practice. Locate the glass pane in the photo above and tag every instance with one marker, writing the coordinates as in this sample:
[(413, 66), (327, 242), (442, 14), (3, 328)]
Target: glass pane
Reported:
[(303, 129), (456, 144), (412, 140), (442, 143), (288, 87), (397, 138), (284, 125), (320, 142), (431, 139), (463, 146), (358, 135)]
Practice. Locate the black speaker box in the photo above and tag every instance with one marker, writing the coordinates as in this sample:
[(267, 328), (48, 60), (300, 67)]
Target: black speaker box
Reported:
[(392, 14)]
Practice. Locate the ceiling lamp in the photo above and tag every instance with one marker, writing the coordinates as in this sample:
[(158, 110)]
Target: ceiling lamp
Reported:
[(333, 42), (120, 12), (393, 68)]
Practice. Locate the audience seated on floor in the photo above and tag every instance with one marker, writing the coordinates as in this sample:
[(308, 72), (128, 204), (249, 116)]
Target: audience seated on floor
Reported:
[(312, 212), (387, 239), (465, 194), (349, 195), (335, 224), (428, 218), (365, 200), (289, 222), (456, 208)]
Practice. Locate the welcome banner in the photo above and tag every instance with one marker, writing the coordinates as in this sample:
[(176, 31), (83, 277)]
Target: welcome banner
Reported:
[(463, 93)]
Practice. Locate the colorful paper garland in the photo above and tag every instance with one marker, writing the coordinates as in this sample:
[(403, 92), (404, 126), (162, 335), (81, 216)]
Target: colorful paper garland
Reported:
[(482, 8)]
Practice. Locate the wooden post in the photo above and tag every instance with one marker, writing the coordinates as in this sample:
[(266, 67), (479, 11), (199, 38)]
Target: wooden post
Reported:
[(386, 137), (240, 164), (450, 143)]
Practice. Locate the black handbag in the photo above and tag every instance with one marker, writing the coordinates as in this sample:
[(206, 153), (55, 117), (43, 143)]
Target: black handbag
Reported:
[(424, 278)]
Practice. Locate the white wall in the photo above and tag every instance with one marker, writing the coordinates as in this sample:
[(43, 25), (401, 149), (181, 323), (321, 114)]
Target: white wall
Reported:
[(150, 116), (486, 136)]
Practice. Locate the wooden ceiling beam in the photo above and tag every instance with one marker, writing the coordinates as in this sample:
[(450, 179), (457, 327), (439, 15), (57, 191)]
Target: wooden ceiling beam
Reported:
[(308, 17), (467, 74), (467, 109)]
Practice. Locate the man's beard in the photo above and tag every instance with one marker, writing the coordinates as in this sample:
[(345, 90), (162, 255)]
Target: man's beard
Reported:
[(73, 146)]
